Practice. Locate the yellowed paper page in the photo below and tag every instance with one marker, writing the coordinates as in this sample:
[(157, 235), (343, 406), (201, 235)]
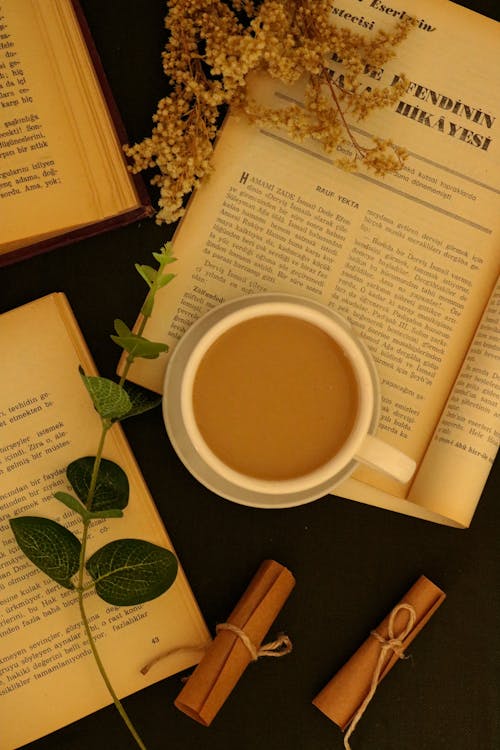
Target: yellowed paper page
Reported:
[(46, 421), (387, 253), (61, 165), (465, 444), (455, 468)]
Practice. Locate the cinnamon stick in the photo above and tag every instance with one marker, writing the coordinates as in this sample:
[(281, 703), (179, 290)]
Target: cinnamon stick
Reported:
[(227, 657), (341, 698)]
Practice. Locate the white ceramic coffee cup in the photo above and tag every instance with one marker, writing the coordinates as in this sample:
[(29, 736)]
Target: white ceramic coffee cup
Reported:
[(360, 446)]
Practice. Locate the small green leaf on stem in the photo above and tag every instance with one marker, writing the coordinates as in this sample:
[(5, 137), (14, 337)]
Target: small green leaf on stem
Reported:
[(156, 279), (141, 399), (147, 273), (111, 489), (50, 546), (71, 502), (136, 345), (164, 255), (131, 571), (164, 280), (111, 513), (109, 398)]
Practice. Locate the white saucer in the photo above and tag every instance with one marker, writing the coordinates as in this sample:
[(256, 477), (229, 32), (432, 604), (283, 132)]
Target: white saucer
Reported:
[(180, 440)]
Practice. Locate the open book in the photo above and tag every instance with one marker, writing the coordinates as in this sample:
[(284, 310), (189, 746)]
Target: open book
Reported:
[(411, 260), (62, 171), (46, 421)]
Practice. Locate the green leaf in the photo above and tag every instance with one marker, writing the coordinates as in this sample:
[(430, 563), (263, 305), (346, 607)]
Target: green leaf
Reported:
[(121, 328), (141, 399), (111, 513), (50, 546), (164, 255), (131, 571), (156, 279), (71, 502), (148, 274), (111, 490), (165, 279), (136, 345), (109, 398)]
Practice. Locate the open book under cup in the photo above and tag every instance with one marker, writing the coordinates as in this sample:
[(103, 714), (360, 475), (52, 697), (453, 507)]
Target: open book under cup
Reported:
[(315, 404)]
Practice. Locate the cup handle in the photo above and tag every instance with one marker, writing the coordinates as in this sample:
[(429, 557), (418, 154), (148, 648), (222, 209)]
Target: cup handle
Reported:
[(381, 456)]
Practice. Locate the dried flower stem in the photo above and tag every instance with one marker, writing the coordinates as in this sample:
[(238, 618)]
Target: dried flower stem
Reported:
[(213, 47)]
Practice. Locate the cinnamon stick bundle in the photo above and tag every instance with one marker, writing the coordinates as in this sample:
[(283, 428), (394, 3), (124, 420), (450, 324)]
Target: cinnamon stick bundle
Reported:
[(341, 699), (227, 657)]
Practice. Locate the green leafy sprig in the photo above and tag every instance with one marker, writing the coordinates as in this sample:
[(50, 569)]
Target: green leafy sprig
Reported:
[(124, 572)]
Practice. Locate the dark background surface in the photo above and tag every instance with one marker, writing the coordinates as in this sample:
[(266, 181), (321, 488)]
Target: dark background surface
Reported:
[(352, 562)]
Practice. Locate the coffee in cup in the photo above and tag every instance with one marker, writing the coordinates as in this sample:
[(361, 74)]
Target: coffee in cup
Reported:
[(274, 397), (278, 396)]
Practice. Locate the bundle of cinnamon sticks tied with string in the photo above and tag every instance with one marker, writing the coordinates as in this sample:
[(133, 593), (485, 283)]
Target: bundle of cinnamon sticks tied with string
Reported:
[(345, 698), (237, 643)]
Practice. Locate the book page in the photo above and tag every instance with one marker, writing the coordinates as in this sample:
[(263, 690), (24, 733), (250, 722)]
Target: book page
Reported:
[(61, 165), (46, 421), (410, 259), (466, 440)]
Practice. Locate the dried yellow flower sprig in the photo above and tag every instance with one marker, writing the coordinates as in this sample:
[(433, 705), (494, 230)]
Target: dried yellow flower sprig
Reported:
[(214, 45)]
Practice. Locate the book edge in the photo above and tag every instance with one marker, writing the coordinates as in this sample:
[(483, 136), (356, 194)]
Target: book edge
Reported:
[(143, 207)]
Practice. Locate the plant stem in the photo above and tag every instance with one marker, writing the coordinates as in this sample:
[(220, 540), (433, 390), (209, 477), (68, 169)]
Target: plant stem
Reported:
[(106, 424), (142, 325), (104, 676), (357, 146)]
